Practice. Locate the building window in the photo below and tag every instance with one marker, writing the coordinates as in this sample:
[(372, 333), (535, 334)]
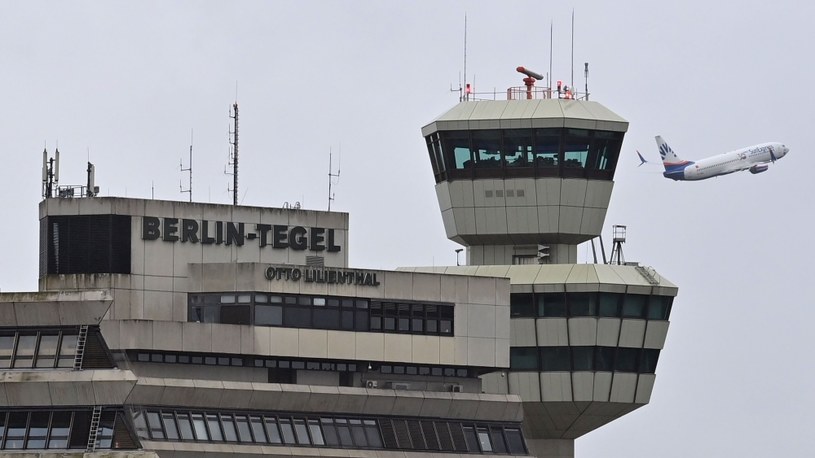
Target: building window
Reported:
[(579, 304), (83, 244), (304, 430), (575, 359), (554, 359), (521, 305), (318, 312), (62, 429), (551, 305), (38, 349), (523, 358), (494, 153)]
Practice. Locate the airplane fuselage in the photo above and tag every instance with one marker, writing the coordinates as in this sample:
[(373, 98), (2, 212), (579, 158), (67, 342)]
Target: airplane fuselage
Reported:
[(753, 158)]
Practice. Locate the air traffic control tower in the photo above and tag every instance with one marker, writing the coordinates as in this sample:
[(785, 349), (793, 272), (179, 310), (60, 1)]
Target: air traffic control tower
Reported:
[(520, 183)]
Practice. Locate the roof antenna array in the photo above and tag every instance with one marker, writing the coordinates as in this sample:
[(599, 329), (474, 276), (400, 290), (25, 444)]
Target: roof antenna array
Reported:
[(188, 169), (332, 176), (92, 190), (50, 173)]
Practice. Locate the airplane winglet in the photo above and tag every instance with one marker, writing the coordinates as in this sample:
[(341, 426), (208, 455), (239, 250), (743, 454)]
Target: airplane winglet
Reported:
[(642, 159)]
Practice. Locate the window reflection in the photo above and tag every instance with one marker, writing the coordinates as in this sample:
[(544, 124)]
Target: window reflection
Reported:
[(576, 358), (320, 312), (334, 432), (24, 357), (524, 153)]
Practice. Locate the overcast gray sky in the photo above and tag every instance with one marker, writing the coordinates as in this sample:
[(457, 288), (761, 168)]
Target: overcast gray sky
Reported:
[(123, 84)]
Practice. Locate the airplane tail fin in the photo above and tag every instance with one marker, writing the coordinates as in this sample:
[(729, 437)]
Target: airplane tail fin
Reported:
[(669, 158), (642, 159)]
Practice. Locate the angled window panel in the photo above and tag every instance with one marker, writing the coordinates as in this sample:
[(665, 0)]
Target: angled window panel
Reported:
[(372, 434), (388, 434), (272, 430), (61, 429), (316, 432), (259, 434)]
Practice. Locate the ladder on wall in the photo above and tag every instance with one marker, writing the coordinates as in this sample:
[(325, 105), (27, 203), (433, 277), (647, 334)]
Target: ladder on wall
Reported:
[(96, 417), (81, 340)]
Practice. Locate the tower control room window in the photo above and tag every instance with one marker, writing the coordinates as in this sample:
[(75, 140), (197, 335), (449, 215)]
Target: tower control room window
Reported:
[(576, 147), (517, 148), (547, 151), (457, 146), (543, 152), (487, 149), (605, 147)]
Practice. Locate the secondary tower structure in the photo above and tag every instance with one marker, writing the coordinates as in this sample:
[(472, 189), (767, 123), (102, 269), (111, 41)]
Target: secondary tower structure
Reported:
[(520, 183)]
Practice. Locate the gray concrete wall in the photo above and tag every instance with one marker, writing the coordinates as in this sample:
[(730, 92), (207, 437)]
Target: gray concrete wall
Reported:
[(522, 211)]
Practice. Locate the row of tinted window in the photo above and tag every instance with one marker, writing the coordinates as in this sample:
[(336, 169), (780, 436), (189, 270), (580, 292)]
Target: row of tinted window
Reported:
[(321, 312), (78, 244), (616, 305), (571, 358), (327, 431), (39, 349), (61, 430), (297, 364), (511, 153)]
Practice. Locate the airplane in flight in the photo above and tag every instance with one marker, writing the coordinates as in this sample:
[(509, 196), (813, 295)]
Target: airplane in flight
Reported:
[(756, 159)]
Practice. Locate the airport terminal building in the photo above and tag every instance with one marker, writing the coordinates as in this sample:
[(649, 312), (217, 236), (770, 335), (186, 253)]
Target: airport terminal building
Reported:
[(179, 329)]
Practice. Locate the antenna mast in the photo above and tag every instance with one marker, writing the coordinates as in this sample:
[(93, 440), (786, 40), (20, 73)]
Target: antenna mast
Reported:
[(50, 173), (234, 156), (331, 176), (551, 40), (572, 83), (92, 190), (188, 169), (466, 94)]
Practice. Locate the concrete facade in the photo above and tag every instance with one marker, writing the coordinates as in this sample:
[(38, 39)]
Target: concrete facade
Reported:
[(162, 361)]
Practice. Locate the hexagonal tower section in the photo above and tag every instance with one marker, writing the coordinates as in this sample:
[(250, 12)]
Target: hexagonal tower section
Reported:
[(513, 174), (520, 183)]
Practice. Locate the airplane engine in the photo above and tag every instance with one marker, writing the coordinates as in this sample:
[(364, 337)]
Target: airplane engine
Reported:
[(758, 168)]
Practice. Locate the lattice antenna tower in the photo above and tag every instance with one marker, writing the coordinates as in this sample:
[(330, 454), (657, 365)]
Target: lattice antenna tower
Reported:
[(333, 178), (233, 156), (188, 169)]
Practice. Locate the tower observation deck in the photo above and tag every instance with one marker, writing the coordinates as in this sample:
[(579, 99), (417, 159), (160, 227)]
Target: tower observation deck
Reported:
[(513, 174), (520, 183)]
